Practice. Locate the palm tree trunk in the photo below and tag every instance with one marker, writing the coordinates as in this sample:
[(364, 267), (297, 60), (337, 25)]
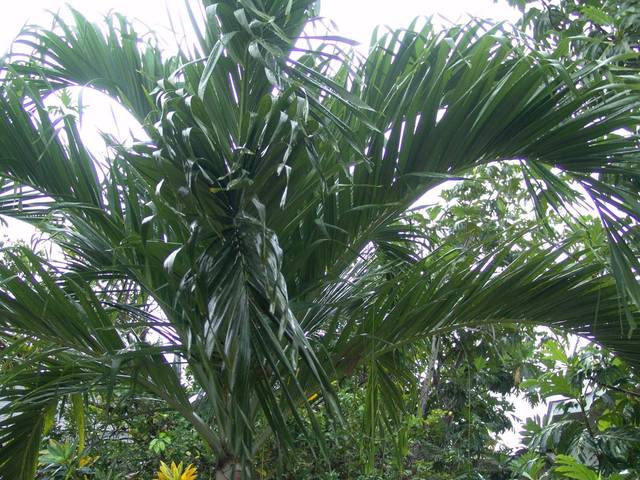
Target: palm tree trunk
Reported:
[(229, 469), (425, 390)]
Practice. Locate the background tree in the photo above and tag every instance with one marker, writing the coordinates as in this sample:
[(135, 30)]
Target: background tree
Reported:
[(584, 29), (595, 419)]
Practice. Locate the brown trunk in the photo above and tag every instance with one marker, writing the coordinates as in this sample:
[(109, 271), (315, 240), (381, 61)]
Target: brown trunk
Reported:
[(229, 471)]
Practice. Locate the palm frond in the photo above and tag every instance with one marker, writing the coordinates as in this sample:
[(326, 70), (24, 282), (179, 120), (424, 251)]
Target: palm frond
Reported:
[(118, 61)]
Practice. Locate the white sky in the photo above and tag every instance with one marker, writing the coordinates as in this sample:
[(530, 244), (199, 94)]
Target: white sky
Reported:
[(355, 19)]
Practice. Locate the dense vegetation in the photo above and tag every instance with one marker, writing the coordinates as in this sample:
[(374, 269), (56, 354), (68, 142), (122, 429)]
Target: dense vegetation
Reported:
[(256, 285)]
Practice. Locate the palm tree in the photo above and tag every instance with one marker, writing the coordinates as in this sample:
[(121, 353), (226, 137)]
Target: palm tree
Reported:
[(258, 234)]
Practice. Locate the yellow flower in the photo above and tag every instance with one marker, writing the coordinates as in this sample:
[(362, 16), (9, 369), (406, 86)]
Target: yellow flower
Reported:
[(176, 472)]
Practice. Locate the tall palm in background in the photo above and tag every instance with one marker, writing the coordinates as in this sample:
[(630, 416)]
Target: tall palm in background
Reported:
[(260, 234)]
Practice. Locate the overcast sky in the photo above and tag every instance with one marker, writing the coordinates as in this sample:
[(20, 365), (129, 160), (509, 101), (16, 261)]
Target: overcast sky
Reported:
[(355, 19)]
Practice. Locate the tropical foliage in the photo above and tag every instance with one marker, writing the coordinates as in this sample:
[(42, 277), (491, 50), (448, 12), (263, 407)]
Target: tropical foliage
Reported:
[(595, 416), (585, 29), (259, 234)]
